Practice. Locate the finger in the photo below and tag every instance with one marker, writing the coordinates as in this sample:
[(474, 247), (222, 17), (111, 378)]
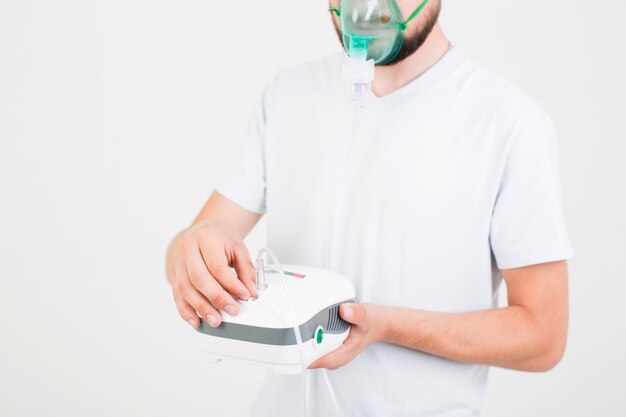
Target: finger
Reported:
[(217, 264), (352, 313), (203, 308), (191, 296), (186, 312), (244, 268), (349, 349), (208, 286), (332, 360)]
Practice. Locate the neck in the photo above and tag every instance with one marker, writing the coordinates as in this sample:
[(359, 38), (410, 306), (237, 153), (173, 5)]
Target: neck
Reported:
[(390, 78)]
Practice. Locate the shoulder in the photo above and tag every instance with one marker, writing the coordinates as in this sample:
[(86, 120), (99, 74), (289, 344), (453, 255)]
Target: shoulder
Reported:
[(307, 78), (497, 101), (497, 92), (317, 70)]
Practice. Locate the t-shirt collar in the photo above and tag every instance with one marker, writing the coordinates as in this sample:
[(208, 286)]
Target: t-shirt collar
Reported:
[(452, 60)]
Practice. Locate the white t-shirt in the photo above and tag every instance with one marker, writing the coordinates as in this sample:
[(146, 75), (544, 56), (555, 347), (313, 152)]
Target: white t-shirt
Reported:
[(448, 180)]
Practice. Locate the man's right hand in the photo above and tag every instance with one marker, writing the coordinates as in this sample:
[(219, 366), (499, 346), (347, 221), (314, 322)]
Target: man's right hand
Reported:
[(199, 262)]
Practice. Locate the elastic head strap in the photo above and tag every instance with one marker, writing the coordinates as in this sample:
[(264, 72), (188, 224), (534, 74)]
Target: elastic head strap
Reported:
[(403, 25)]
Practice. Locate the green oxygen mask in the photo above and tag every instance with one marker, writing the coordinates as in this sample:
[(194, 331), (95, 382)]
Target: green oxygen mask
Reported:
[(373, 29), (372, 33)]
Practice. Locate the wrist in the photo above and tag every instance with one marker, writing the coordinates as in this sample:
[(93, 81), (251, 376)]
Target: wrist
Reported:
[(385, 323), (402, 324)]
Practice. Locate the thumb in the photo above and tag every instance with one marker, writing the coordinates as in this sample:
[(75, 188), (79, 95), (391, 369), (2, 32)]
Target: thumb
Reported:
[(352, 313), (244, 267)]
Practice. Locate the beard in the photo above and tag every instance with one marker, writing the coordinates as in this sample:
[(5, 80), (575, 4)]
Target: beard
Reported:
[(411, 42)]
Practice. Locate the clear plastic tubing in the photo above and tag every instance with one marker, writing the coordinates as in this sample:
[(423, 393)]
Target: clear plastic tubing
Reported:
[(296, 329)]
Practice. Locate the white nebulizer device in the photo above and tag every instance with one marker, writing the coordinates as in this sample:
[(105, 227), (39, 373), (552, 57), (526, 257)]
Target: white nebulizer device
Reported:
[(294, 321)]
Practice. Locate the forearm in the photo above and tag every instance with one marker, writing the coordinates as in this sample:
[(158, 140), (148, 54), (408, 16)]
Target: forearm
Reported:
[(511, 337)]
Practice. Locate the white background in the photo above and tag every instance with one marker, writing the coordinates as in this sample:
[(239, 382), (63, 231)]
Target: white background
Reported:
[(116, 118)]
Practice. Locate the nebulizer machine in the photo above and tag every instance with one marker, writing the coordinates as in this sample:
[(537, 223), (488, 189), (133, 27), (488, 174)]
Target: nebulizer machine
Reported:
[(292, 322), (295, 319)]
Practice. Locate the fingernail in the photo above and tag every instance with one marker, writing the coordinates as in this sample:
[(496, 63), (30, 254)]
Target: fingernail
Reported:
[(192, 323), (244, 297), (211, 320), (232, 310), (347, 311)]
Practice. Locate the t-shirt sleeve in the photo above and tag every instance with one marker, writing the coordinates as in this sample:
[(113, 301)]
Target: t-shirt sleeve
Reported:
[(527, 225), (244, 181)]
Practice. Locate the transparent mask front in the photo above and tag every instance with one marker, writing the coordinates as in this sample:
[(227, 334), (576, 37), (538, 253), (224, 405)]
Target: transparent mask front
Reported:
[(371, 29)]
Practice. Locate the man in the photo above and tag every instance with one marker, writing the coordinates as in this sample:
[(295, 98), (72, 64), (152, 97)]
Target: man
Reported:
[(448, 184)]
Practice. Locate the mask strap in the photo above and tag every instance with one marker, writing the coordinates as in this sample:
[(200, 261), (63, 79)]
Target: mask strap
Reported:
[(402, 26)]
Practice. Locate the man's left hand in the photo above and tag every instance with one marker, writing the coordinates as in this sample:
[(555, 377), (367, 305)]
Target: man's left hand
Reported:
[(369, 324)]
